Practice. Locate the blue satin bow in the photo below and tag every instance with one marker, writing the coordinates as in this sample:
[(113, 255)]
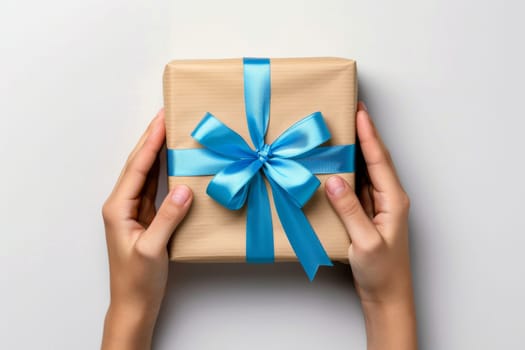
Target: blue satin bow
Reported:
[(288, 164)]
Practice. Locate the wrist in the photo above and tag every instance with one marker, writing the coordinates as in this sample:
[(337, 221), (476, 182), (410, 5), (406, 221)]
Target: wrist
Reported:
[(128, 327), (390, 325)]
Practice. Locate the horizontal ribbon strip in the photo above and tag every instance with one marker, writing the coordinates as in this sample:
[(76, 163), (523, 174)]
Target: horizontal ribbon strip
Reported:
[(202, 161)]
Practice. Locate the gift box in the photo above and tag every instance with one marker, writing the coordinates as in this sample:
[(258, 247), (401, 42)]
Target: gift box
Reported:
[(294, 114)]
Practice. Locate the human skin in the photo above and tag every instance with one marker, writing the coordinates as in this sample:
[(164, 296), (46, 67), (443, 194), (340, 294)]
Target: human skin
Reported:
[(137, 236), (376, 221)]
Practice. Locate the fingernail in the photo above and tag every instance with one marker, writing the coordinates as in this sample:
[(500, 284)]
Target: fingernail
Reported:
[(335, 185), (180, 195), (363, 105)]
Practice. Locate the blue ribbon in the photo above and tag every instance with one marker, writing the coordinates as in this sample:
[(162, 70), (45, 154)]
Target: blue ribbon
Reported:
[(288, 165)]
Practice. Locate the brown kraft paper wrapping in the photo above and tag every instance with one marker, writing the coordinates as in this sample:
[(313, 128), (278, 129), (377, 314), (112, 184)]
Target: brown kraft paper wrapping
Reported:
[(299, 86)]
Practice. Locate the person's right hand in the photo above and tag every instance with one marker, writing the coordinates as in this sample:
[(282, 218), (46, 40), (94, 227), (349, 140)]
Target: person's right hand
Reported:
[(377, 223), (137, 236)]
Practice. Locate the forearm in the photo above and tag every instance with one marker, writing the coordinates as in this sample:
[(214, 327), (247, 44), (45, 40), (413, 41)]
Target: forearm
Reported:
[(390, 326), (128, 329)]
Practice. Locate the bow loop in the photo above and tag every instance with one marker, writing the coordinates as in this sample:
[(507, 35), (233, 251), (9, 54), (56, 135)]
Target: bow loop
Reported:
[(229, 186), (301, 137), (217, 137)]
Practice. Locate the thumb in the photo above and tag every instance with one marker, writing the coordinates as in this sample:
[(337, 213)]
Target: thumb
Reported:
[(170, 214), (345, 202)]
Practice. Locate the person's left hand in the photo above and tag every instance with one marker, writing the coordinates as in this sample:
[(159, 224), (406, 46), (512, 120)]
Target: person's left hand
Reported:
[(137, 238)]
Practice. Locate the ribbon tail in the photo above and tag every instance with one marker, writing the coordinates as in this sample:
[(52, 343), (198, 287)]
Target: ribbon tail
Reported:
[(304, 241), (259, 229)]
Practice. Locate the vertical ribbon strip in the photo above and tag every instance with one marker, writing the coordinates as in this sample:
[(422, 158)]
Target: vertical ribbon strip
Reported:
[(288, 164)]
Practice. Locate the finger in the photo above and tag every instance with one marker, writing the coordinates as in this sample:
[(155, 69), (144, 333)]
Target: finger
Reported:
[(346, 204), (379, 164), (366, 201), (152, 181), (169, 215), (147, 204), (140, 164), (141, 141), (138, 146)]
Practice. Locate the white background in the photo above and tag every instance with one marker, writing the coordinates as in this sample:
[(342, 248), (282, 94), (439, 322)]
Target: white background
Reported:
[(443, 79)]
